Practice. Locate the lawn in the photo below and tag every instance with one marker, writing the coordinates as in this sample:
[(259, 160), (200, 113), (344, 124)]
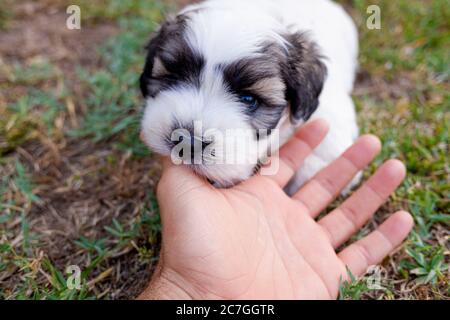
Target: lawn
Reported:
[(77, 186)]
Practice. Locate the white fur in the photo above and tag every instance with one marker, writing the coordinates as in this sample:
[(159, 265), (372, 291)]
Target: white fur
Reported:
[(254, 20)]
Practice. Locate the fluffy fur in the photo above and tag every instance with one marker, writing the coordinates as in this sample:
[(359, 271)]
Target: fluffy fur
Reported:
[(297, 58)]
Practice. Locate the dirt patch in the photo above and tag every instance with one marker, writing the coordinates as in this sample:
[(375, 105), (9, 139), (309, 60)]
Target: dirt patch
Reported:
[(40, 30), (82, 191), (82, 186)]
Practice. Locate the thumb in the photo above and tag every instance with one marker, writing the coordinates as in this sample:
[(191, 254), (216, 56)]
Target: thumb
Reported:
[(178, 188), (179, 176), (166, 163)]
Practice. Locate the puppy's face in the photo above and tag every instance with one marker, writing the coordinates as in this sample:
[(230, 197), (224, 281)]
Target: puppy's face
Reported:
[(211, 81)]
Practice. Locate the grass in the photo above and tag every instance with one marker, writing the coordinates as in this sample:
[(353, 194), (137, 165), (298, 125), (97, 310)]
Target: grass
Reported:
[(5, 15), (114, 100), (404, 99), (76, 185), (37, 116)]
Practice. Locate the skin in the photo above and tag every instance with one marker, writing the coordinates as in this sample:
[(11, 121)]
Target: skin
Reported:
[(254, 242)]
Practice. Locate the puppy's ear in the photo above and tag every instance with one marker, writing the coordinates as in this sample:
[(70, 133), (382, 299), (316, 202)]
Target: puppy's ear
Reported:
[(304, 74), (152, 49), (169, 30)]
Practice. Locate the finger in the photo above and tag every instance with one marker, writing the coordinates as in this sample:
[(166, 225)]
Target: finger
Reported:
[(293, 153), (347, 219), (328, 183), (373, 248)]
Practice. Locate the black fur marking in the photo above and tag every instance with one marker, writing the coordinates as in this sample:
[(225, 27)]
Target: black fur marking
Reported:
[(243, 74), (300, 69), (183, 65), (304, 74)]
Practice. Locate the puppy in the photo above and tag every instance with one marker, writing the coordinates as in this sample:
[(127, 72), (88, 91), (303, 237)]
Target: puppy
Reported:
[(261, 66)]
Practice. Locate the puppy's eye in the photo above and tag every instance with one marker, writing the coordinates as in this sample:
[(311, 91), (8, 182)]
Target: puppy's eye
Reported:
[(249, 100)]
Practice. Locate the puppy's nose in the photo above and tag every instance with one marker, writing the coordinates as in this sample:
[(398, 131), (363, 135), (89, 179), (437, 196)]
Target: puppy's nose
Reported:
[(197, 145), (197, 142)]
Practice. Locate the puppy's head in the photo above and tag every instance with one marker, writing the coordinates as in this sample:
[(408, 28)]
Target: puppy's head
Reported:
[(211, 76)]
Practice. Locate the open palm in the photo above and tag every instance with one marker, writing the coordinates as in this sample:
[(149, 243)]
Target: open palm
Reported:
[(255, 242)]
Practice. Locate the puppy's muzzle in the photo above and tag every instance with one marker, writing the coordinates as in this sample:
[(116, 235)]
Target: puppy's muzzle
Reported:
[(196, 144)]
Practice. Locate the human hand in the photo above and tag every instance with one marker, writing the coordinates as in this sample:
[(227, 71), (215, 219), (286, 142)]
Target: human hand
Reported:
[(255, 242)]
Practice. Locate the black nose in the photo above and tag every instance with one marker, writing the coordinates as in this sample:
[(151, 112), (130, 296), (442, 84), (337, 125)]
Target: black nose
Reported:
[(195, 142), (204, 142)]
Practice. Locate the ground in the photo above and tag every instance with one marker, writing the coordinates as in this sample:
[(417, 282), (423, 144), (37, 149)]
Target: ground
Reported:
[(77, 186)]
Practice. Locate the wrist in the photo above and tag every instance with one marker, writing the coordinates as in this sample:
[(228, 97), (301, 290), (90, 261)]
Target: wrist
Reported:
[(167, 285)]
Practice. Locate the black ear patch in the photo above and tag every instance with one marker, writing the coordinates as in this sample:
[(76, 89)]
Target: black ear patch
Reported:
[(304, 74), (171, 27), (170, 59), (152, 48)]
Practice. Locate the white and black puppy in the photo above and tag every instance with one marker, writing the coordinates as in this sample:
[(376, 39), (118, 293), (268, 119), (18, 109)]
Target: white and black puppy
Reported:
[(254, 65)]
